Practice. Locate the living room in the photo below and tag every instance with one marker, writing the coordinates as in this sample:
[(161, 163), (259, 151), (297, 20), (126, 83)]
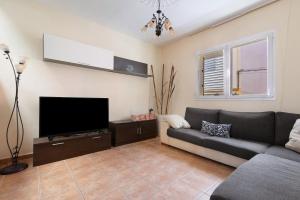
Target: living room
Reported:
[(173, 125)]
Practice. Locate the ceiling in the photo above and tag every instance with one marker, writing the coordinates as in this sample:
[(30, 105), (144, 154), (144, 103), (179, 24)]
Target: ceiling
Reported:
[(129, 16)]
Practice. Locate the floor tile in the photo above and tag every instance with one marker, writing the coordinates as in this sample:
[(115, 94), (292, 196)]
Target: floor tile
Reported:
[(97, 190), (25, 180), (54, 185), (1, 180), (80, 162), (178, 191), (20, 195), (200, 181), (52, 169), (115, 195), (67, 195), (140, 190)]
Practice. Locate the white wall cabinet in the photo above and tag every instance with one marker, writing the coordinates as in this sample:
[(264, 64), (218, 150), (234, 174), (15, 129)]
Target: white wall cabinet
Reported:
[(63, 50)]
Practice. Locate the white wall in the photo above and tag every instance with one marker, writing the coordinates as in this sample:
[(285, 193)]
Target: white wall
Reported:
[(22, 24), (281, 17)]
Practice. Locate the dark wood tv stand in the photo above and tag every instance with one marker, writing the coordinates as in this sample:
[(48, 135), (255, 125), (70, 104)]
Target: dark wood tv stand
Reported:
[(60, 148)]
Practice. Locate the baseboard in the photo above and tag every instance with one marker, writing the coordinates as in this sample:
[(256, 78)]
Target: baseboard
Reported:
[(7, 160)]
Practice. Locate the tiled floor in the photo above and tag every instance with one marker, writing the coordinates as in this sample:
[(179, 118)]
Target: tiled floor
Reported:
[(145, 170)]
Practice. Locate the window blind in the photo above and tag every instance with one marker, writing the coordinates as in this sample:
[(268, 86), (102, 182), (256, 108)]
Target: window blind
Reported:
[(213, 74)]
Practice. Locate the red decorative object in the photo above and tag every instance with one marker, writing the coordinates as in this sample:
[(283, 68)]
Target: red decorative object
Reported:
[(143, 117)]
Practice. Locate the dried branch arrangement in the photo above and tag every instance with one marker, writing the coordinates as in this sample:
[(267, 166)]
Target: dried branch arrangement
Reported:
[(162, 102)]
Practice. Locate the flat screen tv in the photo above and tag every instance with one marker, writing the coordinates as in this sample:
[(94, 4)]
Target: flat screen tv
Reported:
[(68, 115)]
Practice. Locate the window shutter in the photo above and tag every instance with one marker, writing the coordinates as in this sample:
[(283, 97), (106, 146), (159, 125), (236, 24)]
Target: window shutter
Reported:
[(213, 74)]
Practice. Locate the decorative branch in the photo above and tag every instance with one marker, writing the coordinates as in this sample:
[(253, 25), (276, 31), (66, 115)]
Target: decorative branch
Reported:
[(171, 88), (167, 90), (162, 89), (155, 91)]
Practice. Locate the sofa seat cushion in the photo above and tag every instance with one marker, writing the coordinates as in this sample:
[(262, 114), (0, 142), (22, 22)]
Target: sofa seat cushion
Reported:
[(283, 153), (263, 177), (236, 147), (256, 126), (189, 135)]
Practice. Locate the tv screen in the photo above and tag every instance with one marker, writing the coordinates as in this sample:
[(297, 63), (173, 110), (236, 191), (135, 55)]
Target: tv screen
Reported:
[(66, 115)]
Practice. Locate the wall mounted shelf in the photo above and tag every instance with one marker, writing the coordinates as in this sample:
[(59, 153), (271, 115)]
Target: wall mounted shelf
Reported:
[(101, 69), (64, 51)]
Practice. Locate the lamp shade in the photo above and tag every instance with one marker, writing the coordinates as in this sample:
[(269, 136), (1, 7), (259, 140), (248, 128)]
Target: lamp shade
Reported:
[(144, 29), (4, 47), (152, 23), (167, 24), (20, 67)]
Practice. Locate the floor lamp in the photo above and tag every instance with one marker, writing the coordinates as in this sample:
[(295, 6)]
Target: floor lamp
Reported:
[(15, 166)]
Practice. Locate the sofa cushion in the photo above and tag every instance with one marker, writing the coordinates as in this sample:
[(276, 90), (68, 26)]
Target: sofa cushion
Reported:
[(189, 135), (256, 126), (177, 121), (294, 139), (236, 147), (195, 116), (263, 177), (282, 152), (284, 123), (219, 130)]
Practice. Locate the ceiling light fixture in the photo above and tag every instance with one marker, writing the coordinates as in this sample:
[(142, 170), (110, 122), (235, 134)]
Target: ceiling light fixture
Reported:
[(159, 21)]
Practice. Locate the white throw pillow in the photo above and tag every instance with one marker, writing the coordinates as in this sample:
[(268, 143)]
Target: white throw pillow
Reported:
[(176, 121), (294, 139)]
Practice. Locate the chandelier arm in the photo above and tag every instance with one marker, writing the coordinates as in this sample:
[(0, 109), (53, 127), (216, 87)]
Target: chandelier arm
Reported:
[(163, 20), (158, 4), (156, 20)]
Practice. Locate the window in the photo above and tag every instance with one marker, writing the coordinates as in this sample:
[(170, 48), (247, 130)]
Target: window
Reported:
[(213, 73), (240, 69), (249, 64)]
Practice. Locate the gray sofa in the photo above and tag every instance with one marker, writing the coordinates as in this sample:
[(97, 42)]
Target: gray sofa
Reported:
[(272, 172), (264, 177)]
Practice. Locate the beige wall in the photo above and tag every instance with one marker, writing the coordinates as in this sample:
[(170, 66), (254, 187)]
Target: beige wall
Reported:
[(22, 24), (281, 17)]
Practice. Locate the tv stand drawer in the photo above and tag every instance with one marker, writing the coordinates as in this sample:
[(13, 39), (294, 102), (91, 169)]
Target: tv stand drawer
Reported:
[(94, 143), (45, 151)]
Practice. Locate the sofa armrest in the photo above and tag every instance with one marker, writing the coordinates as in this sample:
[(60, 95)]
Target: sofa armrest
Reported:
[(163, 127)]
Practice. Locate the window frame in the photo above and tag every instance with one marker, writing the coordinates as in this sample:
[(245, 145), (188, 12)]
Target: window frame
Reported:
[(227, 54)]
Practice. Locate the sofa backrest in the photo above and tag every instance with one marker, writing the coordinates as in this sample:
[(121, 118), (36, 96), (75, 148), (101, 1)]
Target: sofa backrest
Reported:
[(284, 123), (256, 126), (195, 116)]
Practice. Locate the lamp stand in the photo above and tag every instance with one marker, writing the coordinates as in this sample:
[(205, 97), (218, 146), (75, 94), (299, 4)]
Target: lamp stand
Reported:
[(15, 166)]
